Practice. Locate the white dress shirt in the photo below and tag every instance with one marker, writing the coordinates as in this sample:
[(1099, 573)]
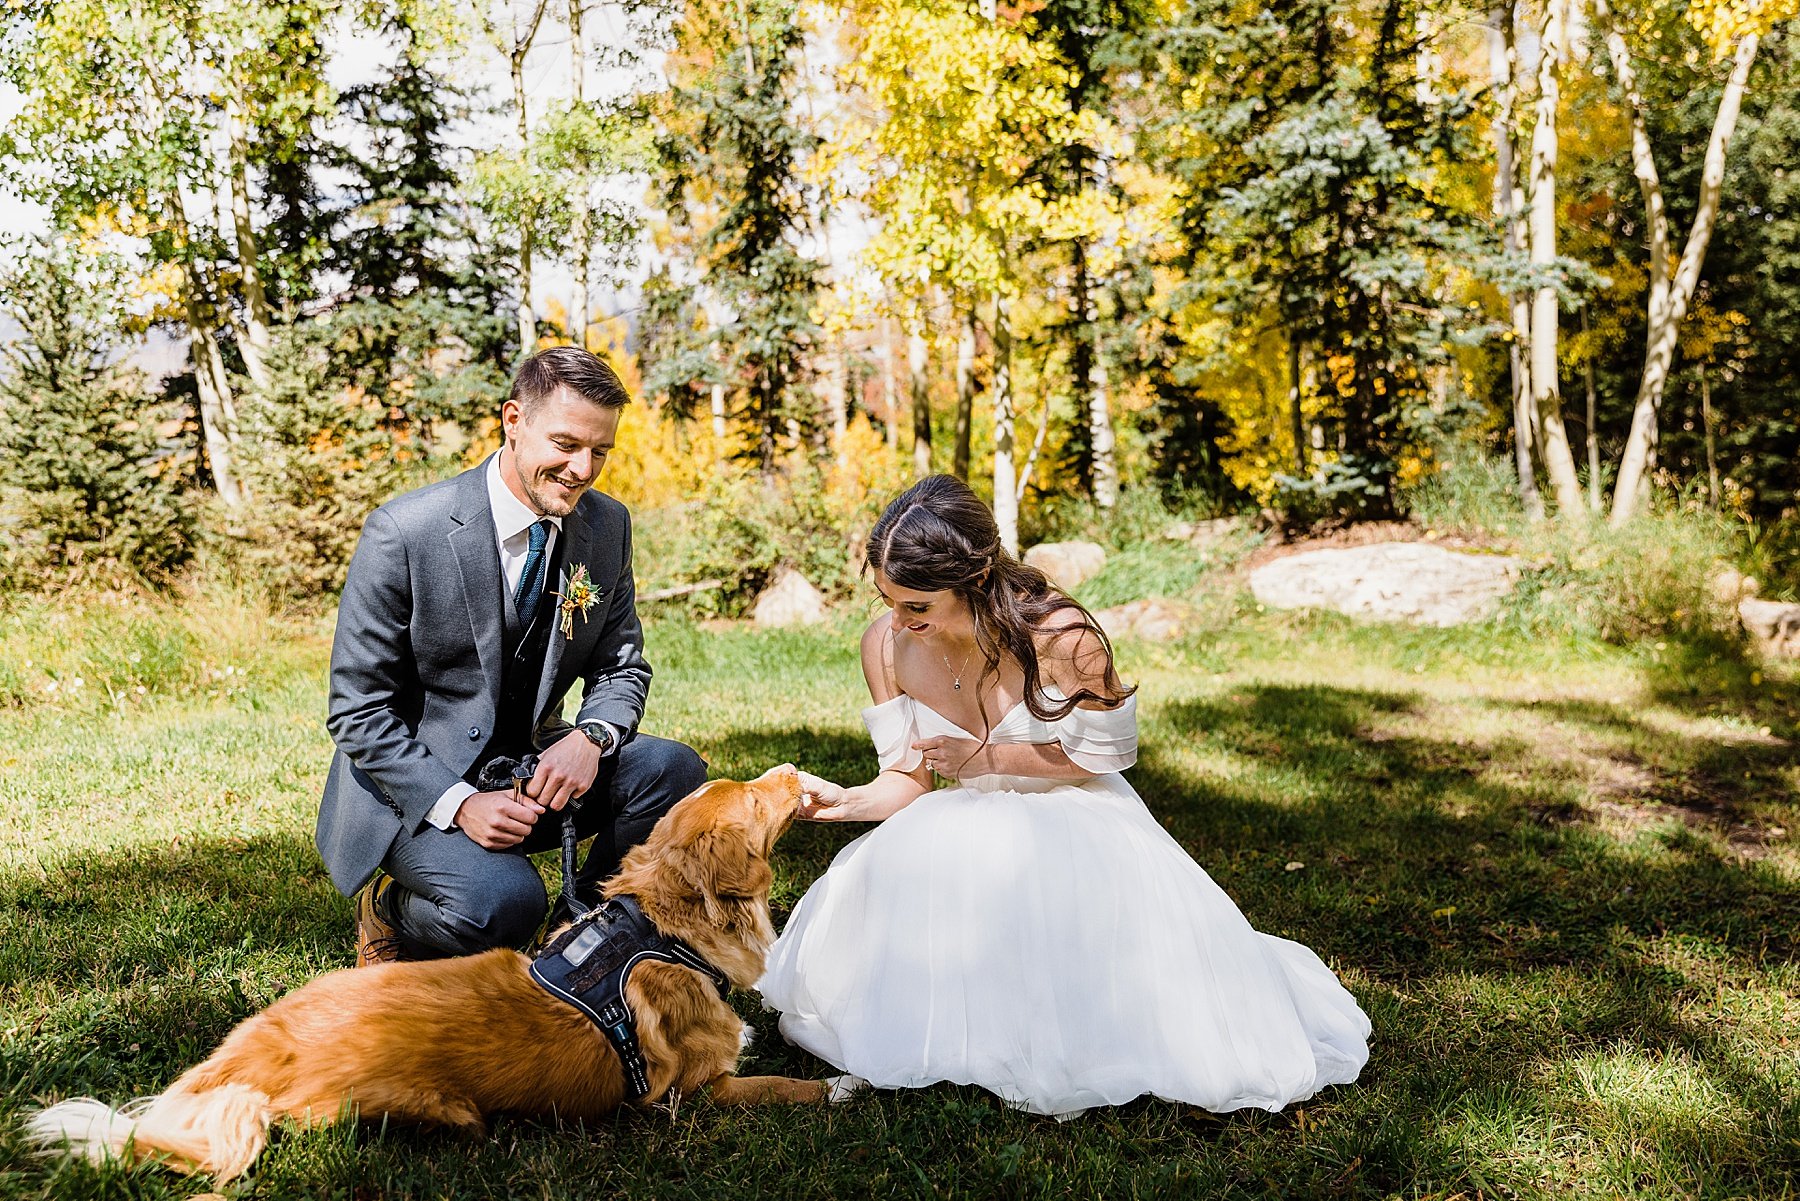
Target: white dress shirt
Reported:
[(513, 520)]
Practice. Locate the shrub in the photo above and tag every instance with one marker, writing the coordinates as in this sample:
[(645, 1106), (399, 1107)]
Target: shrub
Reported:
[(812, 516)]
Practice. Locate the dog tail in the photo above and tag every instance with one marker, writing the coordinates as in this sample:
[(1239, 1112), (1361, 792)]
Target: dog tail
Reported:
[(219, 1131)]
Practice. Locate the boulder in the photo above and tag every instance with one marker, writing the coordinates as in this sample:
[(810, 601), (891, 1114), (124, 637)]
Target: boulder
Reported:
[(1153, 620), (1068, 564), (1773, 625), (1388, 581), (1203, 535), (1730, 586), (789, 600)]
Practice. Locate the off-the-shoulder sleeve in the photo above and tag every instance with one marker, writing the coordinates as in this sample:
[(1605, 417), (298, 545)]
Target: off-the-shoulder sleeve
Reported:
[(892, 726), (1100, 740)]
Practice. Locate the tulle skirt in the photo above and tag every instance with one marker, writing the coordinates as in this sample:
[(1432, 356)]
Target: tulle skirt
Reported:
[(1053, 944)]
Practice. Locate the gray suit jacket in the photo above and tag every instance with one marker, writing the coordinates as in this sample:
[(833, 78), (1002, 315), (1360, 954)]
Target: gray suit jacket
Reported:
[(416, 662)]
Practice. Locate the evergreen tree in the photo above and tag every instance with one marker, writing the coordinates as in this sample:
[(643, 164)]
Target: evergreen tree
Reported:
[(85, 478), (730, 153), (401, 234), (1317, 188)]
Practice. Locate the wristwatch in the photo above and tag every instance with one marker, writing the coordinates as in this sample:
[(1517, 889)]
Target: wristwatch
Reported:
[(601, 735)]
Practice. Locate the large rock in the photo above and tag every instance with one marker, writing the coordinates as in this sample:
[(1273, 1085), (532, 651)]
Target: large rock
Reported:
[(1153, 620), (1388, 581), (1203, 535), (1773, 625), (789, 600), (1068, 564)]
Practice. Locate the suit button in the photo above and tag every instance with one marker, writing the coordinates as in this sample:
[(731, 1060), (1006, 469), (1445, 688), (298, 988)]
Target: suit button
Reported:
[(474, 733)]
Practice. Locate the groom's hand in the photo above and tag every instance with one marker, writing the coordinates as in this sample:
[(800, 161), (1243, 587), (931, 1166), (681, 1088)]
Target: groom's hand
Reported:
[(565, 770), (496, 820)]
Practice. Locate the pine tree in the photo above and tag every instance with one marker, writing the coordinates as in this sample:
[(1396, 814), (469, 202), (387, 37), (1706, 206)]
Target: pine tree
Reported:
[(1318, 193), (401, 232), (730, 153), (84, 475)]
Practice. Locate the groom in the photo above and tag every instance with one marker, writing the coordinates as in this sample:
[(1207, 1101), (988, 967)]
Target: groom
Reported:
[(453, 648)]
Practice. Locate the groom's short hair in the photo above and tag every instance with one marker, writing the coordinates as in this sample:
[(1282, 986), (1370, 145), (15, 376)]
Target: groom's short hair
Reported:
[(580, 371)]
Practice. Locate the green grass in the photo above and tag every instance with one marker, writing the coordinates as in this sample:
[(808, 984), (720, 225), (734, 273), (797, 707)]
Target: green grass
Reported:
[(1561, 877)]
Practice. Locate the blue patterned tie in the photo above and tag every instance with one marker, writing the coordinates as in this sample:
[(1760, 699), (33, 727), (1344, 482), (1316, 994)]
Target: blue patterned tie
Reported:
[(531, 580)]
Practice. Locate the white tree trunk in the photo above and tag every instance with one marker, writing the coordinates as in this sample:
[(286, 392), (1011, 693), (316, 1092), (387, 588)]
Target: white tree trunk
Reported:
[(218, 409), (965, 396), (1006, 499), (718, 413), (527, 319), (218, 414), (1101, 441), (255, 342), (1296, 405), (578, 230), (1670, 292), (916, 359), (1100, 433), (837, 404), (1559, 462), (1502, 59), (890, 399)]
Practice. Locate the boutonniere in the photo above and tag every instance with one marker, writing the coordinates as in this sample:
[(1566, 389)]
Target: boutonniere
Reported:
[(577, 593)]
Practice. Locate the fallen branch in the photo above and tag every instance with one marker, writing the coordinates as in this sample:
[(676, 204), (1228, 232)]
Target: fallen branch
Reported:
[(681, 590)]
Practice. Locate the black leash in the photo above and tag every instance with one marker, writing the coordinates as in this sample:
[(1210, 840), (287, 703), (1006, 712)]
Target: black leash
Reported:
[(500, 773)]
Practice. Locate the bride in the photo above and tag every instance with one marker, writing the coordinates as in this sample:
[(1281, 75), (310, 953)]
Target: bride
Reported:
[(1028, 927)]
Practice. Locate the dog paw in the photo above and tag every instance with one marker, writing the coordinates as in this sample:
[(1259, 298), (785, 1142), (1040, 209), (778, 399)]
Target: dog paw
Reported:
[(842, 1088)]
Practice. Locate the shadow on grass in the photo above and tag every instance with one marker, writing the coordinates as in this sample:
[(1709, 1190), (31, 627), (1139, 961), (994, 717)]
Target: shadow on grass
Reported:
[(1505, 932), (1491, 903)]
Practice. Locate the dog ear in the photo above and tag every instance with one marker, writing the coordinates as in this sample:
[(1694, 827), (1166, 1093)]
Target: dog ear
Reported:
[(720, 866)]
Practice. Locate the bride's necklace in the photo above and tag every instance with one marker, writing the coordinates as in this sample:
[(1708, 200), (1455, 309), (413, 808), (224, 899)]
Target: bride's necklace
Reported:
[(956, 673)]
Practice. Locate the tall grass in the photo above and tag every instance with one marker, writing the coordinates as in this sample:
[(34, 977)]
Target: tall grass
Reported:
[(1653, 577), (106, 647)]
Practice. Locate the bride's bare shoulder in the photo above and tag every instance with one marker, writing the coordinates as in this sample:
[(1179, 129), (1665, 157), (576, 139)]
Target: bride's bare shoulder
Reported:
[(878, 659)]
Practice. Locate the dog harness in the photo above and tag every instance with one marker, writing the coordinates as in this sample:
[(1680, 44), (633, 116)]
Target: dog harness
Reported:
[(588, 964)]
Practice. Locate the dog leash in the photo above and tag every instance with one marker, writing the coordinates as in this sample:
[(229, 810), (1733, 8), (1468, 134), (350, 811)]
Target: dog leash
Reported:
[(498, 773)]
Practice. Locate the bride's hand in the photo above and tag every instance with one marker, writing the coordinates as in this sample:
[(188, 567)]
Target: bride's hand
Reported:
[(951, 758), (819, 799)]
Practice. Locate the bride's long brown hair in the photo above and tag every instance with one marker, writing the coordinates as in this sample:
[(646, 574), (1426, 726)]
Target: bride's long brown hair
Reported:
[(939, 537)]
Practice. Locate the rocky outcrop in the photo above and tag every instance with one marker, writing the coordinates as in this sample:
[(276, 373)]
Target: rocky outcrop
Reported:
[(1773, 625), (1389, 581), (1153, 620), (789, 600), (1068, 564)]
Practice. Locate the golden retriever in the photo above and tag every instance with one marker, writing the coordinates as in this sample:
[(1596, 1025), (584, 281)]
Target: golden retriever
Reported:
[(451, 1041)]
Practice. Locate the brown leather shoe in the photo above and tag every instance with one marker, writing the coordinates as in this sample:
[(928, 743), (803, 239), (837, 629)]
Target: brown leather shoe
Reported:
[(376, 940)]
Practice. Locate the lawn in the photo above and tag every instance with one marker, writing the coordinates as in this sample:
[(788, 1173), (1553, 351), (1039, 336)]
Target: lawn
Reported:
[(1561, 877)]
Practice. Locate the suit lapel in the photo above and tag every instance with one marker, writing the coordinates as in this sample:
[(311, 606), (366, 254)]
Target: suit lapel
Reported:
[(574, 552), (475, 545)]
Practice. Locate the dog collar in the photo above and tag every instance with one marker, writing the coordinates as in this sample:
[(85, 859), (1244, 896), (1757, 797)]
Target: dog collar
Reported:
[(588, 965)]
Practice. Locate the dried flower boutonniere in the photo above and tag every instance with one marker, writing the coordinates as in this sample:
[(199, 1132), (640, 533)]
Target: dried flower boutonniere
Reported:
[(577, 593)]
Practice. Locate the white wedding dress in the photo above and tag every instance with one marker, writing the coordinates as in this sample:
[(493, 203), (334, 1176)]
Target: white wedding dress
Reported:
[(1051, 942)]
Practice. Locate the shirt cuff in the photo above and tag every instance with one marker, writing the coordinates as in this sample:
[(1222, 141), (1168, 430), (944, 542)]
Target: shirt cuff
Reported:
[(443, 814)]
